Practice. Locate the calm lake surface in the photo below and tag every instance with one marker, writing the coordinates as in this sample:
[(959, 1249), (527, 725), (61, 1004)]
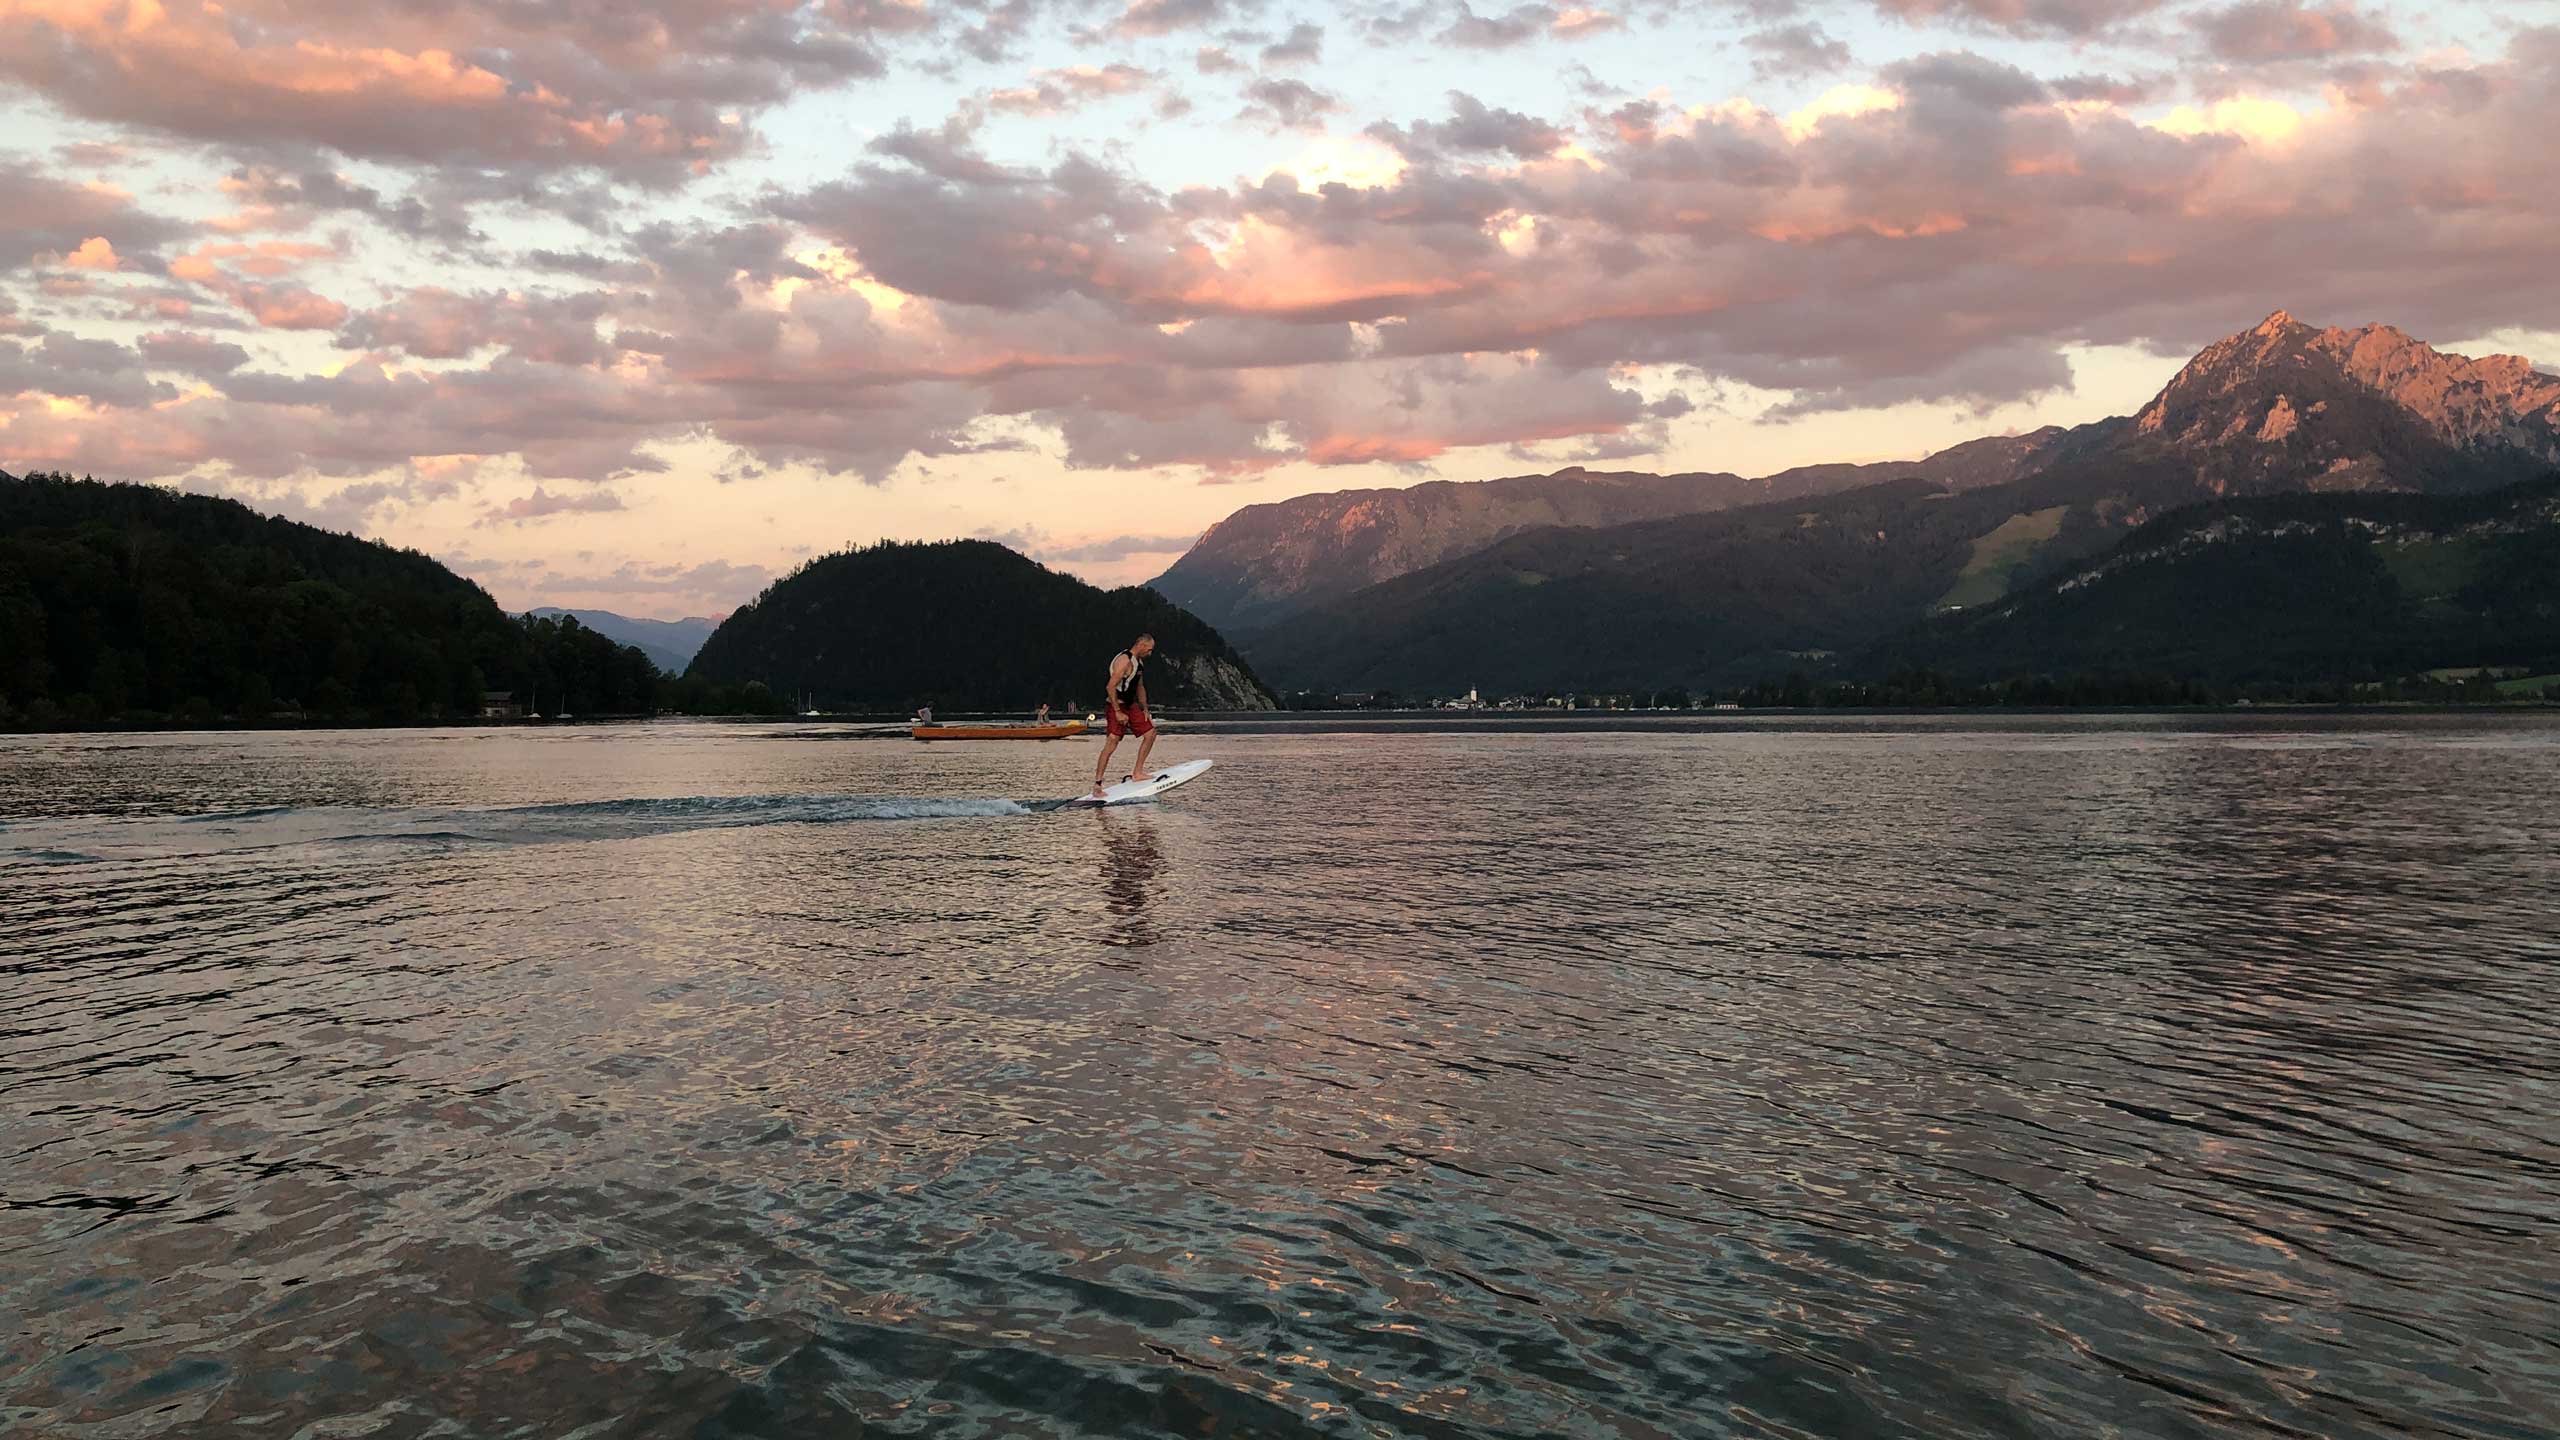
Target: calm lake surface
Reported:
[(1883, 1076)]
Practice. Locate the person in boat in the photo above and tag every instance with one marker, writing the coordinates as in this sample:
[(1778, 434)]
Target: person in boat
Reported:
[(1125, 695), (924, 714), (1043, 717)]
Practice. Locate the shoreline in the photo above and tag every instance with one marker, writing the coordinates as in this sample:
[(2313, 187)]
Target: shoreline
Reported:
[(1314, 722)]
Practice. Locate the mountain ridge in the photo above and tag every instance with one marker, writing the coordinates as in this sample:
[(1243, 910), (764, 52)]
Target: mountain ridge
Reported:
[(669, 644), (2280, 408), (2281, 405), (1266, 561)]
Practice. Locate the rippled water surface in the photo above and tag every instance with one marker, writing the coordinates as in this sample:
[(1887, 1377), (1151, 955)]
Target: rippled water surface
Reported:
[(2141, 1076)]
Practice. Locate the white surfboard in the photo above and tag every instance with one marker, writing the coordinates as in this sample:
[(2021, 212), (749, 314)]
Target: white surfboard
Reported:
[(1135, 792)]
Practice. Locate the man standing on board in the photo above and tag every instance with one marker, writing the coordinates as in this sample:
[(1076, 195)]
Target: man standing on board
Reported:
[(1126, 695)]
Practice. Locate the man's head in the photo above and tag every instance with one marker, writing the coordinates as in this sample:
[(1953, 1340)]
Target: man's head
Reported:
[(1143, 646)]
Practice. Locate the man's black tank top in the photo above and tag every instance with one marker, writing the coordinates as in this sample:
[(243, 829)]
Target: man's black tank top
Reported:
[(1129, 684)]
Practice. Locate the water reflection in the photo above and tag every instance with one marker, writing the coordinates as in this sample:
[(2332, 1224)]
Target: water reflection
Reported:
[(2026, 1080), (1132, 860)]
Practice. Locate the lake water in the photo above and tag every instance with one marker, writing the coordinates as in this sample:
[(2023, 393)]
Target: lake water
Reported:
[(2091, 1075)]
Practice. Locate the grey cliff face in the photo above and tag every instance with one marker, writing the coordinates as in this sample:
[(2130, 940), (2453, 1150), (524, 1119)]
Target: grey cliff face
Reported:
[(2284, 405), (1221, 684)]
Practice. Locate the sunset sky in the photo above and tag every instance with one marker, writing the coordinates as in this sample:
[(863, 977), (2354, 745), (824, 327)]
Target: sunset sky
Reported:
[(635, 306)]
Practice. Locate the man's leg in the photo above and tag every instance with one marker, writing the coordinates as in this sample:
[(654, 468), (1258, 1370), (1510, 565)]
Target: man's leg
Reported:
[(1146, 743), (1103, 765)]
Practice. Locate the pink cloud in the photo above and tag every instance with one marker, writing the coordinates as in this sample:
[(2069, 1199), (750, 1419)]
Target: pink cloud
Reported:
[(1055, 92), (439, 324), (542, 505), (478, 81), (41, 214), (1940, 238), (2258, 30), (291, 307), (95, 253)]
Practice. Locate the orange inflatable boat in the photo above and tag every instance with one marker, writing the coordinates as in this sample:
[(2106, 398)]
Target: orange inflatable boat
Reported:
[(1058, 731)]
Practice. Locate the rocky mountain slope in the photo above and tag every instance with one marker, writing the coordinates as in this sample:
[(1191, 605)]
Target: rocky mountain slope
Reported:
[(1696, 600), (2284, 406), (964, 625), (1266, 562)]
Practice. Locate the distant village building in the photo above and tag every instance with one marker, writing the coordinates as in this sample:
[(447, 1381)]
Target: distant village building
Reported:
[(500, 705)]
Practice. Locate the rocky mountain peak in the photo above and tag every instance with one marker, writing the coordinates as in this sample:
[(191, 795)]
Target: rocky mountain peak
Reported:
[(2286, 399), (2496, 398)]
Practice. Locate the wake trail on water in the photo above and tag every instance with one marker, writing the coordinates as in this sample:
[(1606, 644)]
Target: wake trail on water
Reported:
[(91, 839)]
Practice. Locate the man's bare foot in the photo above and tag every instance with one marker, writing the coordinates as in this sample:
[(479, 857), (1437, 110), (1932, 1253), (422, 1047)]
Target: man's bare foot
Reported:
[(1137, 779), (1097, 789)]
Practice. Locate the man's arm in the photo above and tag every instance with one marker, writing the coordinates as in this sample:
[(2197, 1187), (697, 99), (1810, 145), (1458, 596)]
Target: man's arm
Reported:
[(1111, 691)]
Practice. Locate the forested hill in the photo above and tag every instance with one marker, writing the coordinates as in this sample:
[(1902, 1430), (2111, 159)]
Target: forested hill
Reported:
[(2359, 587), (133, 604), (964, 625)]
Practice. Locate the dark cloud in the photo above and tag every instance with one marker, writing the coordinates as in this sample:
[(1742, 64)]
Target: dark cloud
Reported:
[(279, 201), (192, 354), (707, 266), (1517, 26), (102, 372), (1794, 51), (2026, 17), (1118, 547), (2108, 88), (438, 324), (993, 39), (1022, 538), (997, 239), (1286, 104), (1304, 45), (572, 263), (1164, 17), (542, 505), (1523, 24), (949, 153), (1966, 81), (1980, 380), (42, 215), (1474, 127), (1398, 26), (645, 93), (2270, 30)]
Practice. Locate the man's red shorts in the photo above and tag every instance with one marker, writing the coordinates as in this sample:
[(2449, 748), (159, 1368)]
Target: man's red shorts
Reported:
[(1136, 720)]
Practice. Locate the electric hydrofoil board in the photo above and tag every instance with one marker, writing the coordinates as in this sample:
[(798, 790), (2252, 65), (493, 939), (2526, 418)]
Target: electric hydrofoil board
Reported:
[(1138, 792)]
